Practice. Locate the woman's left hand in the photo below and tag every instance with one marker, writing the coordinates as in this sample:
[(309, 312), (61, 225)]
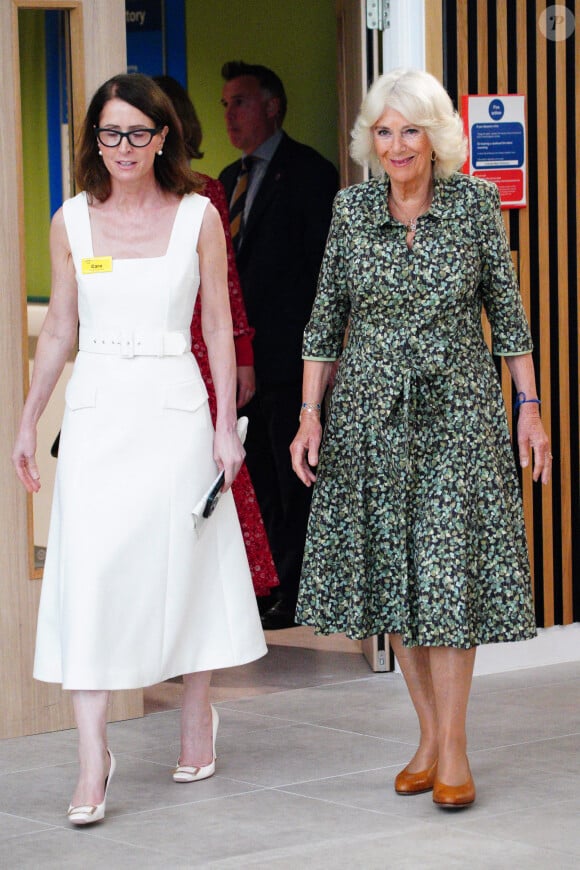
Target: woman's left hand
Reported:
[(304, 450), (228, 453), (531, 434), (246, 382)]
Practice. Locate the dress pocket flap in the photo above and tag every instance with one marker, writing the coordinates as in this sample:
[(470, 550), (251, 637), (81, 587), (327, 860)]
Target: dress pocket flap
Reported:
[(187, 396), (78, 395)]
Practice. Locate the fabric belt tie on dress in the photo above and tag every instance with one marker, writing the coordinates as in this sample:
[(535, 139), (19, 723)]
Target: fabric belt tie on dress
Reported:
[(128, 344)]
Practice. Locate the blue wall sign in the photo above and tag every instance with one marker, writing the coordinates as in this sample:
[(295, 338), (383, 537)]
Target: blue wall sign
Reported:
[(497, 146), (496, 110), (156, 38), (495, 126)]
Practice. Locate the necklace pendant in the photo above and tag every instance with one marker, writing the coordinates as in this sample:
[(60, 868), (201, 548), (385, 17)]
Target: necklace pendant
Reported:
[(411, 225)]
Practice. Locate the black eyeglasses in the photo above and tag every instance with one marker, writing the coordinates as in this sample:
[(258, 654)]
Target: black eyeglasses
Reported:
[(139, 138)]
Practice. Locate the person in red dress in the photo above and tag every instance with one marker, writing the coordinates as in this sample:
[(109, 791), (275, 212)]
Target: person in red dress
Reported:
[(262, 566)]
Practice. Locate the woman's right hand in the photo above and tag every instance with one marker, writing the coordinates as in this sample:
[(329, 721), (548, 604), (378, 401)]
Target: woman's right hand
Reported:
[(24, 460), (304, 448)]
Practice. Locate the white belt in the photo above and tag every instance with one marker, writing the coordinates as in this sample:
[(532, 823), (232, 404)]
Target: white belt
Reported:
[(129, 344)]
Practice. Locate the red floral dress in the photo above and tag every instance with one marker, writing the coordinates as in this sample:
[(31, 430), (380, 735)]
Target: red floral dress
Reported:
[(264, 574)]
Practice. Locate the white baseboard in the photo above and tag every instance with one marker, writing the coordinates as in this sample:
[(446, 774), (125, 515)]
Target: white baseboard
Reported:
[(552, 646)]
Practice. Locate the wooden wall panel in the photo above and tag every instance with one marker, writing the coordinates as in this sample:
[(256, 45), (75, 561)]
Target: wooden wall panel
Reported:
[(543, 359), (498, 47), (434, 38), (523, 220), (351, 81), (28, 706), (574, 330), (563, 345)]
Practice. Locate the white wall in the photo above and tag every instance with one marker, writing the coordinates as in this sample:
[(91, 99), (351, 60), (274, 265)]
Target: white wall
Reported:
[(404, 41)]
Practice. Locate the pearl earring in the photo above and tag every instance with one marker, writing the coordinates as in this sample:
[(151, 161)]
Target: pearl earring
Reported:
[(100, 153), (160, 152)]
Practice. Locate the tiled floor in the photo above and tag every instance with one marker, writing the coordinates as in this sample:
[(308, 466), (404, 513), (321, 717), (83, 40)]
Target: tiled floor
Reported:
[(308, 746)]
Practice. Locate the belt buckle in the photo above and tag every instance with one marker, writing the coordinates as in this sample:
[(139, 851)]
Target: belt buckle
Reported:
[(174, 344)]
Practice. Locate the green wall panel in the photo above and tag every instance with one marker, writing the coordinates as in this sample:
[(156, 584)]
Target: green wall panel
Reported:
[(296, 39), (35, 154)]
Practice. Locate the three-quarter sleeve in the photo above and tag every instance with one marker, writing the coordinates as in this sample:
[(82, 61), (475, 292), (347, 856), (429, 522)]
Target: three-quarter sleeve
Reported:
[(499, 287), (324, 333)]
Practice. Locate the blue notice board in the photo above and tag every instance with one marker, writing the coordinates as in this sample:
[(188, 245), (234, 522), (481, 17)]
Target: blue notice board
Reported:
[(155, 46), (495, 126), (156, 38), (497, 145)]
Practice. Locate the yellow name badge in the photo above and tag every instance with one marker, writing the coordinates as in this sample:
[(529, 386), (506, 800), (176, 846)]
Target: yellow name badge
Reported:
[(95, 265)]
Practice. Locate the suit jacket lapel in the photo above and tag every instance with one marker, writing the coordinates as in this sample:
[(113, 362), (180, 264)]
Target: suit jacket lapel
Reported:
[(268, 188), (229, 178)]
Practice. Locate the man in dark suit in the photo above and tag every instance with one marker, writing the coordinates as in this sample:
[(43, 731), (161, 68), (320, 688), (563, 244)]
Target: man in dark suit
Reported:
[(280, 209)]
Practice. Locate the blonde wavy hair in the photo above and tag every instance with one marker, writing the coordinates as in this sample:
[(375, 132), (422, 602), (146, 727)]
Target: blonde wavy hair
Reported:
[(423, 101)]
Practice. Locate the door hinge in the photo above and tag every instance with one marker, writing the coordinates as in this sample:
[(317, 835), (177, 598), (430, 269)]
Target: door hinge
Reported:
[(378, 14)]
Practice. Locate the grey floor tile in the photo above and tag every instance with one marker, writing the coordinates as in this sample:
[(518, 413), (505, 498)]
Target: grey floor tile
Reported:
[(535, 678), (141, 787), (37, 751), (284, 667), (426, 849), (552, 825), (14, 826), (498, 787), (375, 692), (304, 752), (146, 734), (138, 786), (245, 826), (372, 791), (504, 720), (397, 723), (41, 795), (560, 699), (235, 728), (306, 763), (63, 849), (554, 756)]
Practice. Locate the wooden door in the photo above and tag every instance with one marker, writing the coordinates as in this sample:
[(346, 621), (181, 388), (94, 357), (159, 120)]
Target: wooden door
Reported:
[(352, 75), (97, 30)]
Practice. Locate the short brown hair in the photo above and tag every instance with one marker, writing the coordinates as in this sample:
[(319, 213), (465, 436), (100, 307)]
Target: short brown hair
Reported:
[(172, 170), (185, 111), (268, 80)]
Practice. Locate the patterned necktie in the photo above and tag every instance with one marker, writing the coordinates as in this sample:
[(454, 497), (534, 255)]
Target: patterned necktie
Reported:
[(238, 202)]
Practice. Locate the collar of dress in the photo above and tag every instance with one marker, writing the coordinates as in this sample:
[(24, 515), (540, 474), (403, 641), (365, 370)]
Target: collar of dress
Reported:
[(442, 205)]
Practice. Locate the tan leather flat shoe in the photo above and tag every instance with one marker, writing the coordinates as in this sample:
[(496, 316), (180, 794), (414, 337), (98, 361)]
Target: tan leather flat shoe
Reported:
[(454, 796), (415, 783)]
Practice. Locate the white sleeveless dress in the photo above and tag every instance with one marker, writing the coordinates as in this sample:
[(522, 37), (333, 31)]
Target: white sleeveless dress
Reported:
[(132, 593)]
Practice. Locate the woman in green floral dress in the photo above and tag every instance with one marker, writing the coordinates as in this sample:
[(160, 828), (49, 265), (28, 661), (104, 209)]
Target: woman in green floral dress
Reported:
[(416, 526)]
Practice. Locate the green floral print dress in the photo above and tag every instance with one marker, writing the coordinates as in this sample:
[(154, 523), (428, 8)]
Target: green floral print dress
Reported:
[(416, 525)]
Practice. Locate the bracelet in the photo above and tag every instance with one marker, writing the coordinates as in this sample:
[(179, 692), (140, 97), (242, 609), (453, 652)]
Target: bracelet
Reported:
[(310, 408), (521, 400)]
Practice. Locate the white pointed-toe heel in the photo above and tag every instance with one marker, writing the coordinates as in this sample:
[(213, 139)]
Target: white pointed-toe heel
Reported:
[(182, 773), (86, 815)]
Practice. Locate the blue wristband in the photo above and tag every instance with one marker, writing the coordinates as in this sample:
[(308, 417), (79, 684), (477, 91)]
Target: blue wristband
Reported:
[(521, 400)]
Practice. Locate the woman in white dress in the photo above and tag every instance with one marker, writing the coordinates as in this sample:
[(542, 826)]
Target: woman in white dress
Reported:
[(134, 591)]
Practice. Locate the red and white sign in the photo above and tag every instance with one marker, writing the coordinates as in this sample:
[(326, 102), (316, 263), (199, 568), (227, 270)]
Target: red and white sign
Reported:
[(495, 127)]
